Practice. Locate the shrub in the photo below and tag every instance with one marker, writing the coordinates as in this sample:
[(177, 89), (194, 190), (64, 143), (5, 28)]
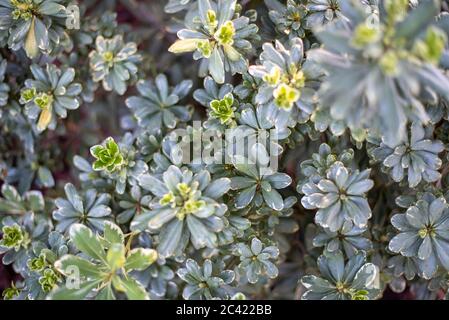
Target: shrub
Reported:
[(224, 149)]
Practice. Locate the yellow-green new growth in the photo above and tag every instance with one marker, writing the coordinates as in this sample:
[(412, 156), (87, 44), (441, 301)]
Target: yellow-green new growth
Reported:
[(365, 34), (285, 96), (212, 22), (44, 101), (108, 156), (389, 63), (23, 9), (225, 34), (186, 201), (167, 199), (11, 292), (274, 77), (396, 9), (431, 48), (37, 264), (360, 295), (108, 57), (222, 109), (205, 47), (427, 231), (28, 94), (49, 280), (14, 237)]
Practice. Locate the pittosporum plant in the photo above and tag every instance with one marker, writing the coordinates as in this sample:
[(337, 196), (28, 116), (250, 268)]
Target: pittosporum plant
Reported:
[(50, 93), (37, 26), (224, 149), (219, 36)]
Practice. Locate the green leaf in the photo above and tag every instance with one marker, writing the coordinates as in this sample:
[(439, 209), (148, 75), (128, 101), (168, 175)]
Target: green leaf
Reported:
[(63, 293), (87, 269), (133, 289), (87, 242), (106, 293), (140, 259), (112, 233), (116, 256)]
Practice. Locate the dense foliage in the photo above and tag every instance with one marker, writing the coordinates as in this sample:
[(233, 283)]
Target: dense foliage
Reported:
[(224, 149)]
